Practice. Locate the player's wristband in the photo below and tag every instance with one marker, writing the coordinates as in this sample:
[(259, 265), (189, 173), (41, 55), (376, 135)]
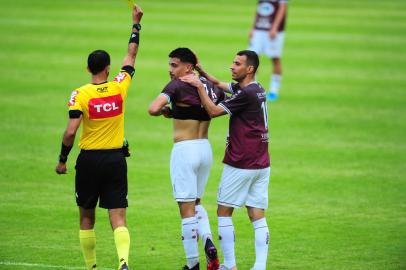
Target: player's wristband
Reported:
[(65, 150), (63, 159), (134, 38), (137, 26)]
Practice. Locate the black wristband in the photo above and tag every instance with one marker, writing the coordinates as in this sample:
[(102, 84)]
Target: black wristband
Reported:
[(134, 38), (63, 159), (137, 26), (65, 150)]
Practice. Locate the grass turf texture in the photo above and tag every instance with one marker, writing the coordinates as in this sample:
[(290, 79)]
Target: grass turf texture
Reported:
[(337, 192)]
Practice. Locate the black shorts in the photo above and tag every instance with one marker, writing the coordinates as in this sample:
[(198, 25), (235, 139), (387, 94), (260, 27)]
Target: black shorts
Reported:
[(101, 174)]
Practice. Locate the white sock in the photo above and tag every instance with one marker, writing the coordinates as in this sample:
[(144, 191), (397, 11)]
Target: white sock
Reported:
[(227, 238), (189, 239), (203, 223), (275, 84), (261, 243)]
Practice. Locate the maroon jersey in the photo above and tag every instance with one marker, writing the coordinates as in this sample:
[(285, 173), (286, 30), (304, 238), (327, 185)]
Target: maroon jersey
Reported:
[(177, 91), (247, 142), (266, 14)]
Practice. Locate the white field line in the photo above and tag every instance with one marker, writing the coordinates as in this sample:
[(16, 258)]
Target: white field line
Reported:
[(39, 265)]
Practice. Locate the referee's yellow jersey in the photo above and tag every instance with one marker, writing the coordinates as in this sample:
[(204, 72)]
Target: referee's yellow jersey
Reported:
[(102, 107)]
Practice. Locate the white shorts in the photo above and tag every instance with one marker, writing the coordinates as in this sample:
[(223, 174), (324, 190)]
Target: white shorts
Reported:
[(190, 168), (261, 43), (241, 187)]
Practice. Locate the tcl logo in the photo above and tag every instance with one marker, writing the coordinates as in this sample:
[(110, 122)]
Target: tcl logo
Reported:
[(105, 107)]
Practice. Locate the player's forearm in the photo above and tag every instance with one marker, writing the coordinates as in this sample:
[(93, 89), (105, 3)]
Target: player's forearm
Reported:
[(165, 111), (279, 16), (68, 138), (154, 112), (67, 144), (132, 51), (159, 107), (134, 41), (133, 44), (212, 109)]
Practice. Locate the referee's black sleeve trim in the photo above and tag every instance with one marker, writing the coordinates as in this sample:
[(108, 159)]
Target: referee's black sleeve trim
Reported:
[(129, 69), (74, 114)]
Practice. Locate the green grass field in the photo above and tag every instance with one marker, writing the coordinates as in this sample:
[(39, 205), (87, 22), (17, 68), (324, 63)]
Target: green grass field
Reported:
[(338, 187)]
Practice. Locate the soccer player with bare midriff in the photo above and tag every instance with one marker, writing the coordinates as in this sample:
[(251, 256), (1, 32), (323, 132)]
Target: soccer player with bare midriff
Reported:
[(191, 156), (245, 177)]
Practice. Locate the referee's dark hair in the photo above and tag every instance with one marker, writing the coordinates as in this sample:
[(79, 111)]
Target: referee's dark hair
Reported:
[(252, 58), (97, 61), (185, 55)]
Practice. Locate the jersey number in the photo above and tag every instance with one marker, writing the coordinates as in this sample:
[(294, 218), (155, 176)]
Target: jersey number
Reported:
[(210, 93)]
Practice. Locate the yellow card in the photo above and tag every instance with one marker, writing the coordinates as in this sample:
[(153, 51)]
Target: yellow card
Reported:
[(130, 3)]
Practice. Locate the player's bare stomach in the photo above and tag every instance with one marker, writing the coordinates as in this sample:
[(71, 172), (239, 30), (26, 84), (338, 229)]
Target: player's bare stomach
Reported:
[(184, 130)]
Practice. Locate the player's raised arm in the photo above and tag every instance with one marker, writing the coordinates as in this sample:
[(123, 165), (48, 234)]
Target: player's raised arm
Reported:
[(134, 41)]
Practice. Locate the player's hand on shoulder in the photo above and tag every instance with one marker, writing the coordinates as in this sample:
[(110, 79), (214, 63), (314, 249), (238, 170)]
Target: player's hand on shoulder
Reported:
[(137, 14), (61, 168), (192, 79)]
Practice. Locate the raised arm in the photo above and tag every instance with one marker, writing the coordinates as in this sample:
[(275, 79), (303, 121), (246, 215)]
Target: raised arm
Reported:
[(129, 59)]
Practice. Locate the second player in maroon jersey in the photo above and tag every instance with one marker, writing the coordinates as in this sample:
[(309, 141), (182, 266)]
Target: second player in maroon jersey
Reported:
[(245, 177)]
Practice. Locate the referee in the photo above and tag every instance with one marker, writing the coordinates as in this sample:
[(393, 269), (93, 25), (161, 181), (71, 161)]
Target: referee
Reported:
[(101, 168)]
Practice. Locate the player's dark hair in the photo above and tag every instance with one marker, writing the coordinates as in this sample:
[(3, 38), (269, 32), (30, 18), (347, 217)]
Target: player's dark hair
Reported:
[(97, 61), (252, 58), (185, 55)]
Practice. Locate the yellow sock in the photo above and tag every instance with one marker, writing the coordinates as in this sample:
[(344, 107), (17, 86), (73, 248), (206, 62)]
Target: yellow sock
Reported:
[(122, 240), (88, 244)]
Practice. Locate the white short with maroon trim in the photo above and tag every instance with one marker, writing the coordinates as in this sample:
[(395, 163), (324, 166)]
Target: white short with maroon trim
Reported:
[(244, 187), (190, 168), (261, 43)]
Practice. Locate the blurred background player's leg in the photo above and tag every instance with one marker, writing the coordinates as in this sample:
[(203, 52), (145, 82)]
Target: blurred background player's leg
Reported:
[(275, 80), (274, 51)]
